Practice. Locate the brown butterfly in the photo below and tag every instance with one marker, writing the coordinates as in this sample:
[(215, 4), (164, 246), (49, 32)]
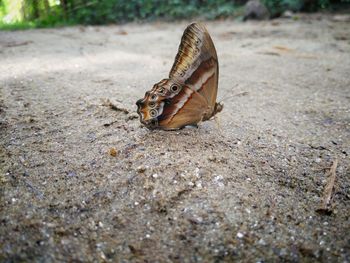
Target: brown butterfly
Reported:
[(188, 96)]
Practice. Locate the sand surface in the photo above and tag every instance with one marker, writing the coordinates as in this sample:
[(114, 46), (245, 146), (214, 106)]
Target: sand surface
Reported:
[(82, 182)]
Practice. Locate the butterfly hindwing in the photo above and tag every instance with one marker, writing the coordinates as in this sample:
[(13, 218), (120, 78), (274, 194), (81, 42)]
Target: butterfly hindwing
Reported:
[(186, 108)]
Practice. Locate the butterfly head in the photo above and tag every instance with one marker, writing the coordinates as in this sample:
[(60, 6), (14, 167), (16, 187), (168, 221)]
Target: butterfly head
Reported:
[(152, 106)]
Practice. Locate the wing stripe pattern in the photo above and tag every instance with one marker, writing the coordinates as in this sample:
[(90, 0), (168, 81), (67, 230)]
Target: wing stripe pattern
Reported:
[(183, 105), (204, 83), (178, 102)]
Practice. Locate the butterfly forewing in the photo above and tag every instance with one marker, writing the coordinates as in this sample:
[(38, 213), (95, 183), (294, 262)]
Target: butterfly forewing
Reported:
[(196, 63)]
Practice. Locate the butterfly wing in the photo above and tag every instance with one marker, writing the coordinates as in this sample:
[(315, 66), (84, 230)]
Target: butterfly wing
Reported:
[(189, 95), (185, 108), (196, 64)]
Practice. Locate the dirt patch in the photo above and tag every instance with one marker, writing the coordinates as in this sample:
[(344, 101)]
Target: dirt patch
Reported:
[(83, 182)]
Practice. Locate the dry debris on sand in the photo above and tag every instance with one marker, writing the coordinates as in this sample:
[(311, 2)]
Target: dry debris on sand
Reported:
[(82, 182)]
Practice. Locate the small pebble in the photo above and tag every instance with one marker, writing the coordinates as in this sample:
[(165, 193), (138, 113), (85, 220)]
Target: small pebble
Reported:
[(197, 172), (211, 158), (112, 152), (240, 235), (141, 169), (262, 242), (71, 174)]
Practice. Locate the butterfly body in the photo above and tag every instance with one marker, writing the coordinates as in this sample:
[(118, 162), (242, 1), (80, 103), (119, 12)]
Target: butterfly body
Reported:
[(188, 96)]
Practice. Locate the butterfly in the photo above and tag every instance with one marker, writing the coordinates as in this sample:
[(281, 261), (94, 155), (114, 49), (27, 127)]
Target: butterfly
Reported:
[(188, 95)]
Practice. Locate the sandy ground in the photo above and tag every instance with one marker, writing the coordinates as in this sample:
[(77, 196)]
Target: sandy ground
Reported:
[(244, 187)]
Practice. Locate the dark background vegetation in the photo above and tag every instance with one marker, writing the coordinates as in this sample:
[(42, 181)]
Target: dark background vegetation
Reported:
[(42, 13)]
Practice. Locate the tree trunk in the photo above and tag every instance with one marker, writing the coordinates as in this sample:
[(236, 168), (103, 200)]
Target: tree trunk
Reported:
[(64, 8), (35, 6), (47, 7)]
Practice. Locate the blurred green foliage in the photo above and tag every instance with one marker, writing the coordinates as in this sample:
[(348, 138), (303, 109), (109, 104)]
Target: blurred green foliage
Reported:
[(277, 7), (111, 11), (44, 13)]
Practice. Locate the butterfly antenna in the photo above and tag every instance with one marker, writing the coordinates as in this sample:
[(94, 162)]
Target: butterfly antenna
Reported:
[(240, 94)]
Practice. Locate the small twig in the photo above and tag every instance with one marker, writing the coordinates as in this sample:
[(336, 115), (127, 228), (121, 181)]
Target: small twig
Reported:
[(320, 147), (108, 103), (109, 123), (241, 94), (17, 44), (328, 191), (282, 48), (269, 53)]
